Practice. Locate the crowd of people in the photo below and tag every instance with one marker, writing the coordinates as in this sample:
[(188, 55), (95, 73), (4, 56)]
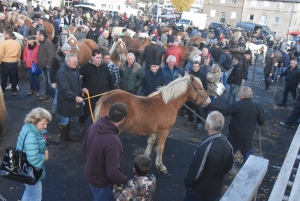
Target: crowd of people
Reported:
[(65, 83)]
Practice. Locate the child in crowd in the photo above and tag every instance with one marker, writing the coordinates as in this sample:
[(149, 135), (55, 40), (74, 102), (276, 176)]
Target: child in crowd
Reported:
[(142, 186)]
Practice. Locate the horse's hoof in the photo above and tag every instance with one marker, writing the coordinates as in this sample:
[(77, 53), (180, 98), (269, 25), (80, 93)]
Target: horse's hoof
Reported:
[(163, 171)]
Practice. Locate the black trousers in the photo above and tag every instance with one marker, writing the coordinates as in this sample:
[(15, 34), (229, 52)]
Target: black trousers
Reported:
[(9, 70), (86, 109), (198, 109)]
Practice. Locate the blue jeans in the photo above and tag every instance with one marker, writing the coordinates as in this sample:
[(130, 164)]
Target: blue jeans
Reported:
[(54, 102), (293, 118), (103, 193), (188, 197), (33, 192), (245, 154), (224, 78), (9, 70), (34, 81), (49, 90), (276, 72), (64, 120), (233, 95)]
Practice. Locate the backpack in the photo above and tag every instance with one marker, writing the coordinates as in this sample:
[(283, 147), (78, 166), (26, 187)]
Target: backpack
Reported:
[(228, 63)]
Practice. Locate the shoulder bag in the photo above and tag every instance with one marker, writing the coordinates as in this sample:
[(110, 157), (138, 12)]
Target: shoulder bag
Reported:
[(35, 69), (16, 167), (219, 88)]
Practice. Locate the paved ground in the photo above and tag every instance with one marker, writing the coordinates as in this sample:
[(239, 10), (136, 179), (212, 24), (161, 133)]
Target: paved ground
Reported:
[(65, 180)]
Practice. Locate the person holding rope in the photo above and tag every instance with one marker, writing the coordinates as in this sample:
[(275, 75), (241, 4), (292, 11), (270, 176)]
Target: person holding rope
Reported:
[(96, 79)]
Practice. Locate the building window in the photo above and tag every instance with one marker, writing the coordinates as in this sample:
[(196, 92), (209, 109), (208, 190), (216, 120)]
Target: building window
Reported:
[(276, 20), (233, 2), (233, 15), (263, 19), (266, 4), (212, 13), (251, 17), (253, 3), (222, 1), (279, 5), (223, 17), (110, 6)]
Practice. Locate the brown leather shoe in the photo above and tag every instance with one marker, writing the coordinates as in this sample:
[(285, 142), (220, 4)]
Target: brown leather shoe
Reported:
[(30, 93), (49, 100)]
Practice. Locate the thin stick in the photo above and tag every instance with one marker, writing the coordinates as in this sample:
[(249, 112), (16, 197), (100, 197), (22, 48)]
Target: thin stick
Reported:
[(259, 137), (275, 90)]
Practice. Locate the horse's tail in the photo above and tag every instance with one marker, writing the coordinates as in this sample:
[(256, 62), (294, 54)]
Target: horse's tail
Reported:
[(97, 111), (3, 113)]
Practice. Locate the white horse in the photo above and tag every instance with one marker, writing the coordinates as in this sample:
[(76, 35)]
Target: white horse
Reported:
[(257, 49), (117, 30)]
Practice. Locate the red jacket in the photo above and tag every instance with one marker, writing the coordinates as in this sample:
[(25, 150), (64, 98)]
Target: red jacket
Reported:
[(176, 52), (26, 56)]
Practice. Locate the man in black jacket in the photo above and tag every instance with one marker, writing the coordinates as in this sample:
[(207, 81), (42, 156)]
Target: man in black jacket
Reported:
[(244, 113), (154, 78), (211, 161), (96, 79), (245, 63), (235, 79), (216, 53), (93, 34), (149, 54), (159, 51), (69, 90), (292, 74)]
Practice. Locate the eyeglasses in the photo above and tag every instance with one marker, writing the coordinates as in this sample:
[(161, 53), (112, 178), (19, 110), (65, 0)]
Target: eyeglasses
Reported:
[(98, 57)]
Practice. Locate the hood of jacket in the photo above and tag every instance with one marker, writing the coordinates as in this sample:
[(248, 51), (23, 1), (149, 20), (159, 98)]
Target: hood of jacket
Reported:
[(104, 126)]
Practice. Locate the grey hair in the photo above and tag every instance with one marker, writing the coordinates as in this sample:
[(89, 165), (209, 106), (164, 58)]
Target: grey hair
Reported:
[(36, 115), (21, 21), (294, 61), (105, 31), (246, 92), (171, 57), (196, 58), (216, 121), (69, 56), (130, 55)]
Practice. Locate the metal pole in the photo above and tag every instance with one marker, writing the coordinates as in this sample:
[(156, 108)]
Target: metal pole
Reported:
[(255, 60)]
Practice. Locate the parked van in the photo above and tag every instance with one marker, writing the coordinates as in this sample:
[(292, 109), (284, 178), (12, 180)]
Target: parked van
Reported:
[(248, 26)]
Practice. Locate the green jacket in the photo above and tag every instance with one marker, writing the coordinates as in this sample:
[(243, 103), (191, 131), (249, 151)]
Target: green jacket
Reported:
[(131, 78)]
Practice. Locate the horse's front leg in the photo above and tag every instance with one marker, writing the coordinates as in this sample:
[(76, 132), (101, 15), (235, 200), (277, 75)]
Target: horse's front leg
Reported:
[(151, 141), (161, 139)]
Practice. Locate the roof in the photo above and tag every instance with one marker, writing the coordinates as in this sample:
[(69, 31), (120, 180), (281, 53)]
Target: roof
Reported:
[(293, 33)]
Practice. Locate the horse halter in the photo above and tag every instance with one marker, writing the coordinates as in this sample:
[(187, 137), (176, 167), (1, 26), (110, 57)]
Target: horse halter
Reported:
[(198, 94)]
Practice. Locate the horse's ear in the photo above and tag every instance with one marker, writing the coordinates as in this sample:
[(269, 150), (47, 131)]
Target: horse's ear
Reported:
[(192, 77)]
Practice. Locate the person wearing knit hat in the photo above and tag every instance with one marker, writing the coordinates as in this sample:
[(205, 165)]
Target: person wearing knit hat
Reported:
[(57, 62), (154, 79), (66, 27)]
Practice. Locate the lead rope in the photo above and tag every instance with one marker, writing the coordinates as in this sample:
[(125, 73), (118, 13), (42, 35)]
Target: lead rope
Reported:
[(194, 112), (90, 106)]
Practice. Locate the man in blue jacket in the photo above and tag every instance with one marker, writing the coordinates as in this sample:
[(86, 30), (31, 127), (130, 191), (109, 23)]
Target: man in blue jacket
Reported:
[(154, 78), (171, 71), (23, 30)]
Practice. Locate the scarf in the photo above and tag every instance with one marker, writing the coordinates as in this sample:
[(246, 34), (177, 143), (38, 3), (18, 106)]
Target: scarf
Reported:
[(31, 47)]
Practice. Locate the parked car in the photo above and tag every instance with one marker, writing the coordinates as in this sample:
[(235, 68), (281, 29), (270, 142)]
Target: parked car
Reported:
[(215, 25)]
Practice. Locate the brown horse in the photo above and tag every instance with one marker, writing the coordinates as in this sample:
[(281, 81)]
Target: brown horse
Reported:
[(185, 53), (195, 39), (84, 29), (83, 48), (3, 114), (118, 53), (12, 19), (156, 114), (133, 44)]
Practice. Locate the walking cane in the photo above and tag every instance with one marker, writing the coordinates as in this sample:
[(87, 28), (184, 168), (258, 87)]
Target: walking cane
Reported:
[(259, 139)]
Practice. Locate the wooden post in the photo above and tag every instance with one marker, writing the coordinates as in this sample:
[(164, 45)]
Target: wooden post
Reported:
[(245, 185)]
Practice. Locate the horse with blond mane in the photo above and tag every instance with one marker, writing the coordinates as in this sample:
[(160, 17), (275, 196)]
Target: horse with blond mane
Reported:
[(156, 114), (82, 48), (118, 53), (3, 114)]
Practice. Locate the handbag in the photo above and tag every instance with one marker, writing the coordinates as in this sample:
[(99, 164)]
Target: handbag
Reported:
[(16, 167), (219, 88), (35, 69)]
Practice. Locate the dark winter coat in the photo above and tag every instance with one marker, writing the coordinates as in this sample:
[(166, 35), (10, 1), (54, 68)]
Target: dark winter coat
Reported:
[(216, 54), (68, 86), (297, 101), (222, 60), (153, 81), (131, 78), (236, 75), (269, 68), (93, 35), (245, 64), (57, 62), (97, 79), (292, 77), (46, 53), (103, 149), (211, 161), (201, 76), (150, 53), (244, 116), (285, 60), (32, 31), (159, 53)]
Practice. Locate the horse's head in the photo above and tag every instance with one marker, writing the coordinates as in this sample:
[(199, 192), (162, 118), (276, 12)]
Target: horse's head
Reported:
[(198, 93), (72, 41), (143, 45), (121, 50)]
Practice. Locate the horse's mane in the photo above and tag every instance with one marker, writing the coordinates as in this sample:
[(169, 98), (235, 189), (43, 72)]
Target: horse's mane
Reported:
[(71, 36), (24, 17), (113, 48), (175, 88)]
